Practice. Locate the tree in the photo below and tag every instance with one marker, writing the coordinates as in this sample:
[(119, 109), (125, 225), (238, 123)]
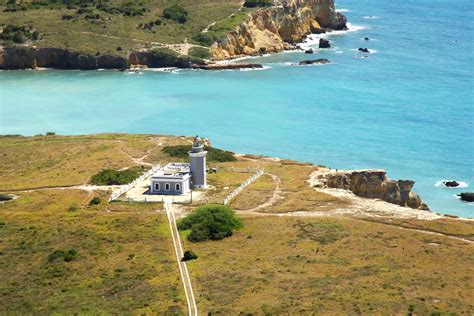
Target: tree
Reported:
[(176, 13), (210, 222)]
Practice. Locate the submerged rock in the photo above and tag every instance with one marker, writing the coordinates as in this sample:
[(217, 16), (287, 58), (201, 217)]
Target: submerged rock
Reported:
[(366, 39), (364, 50), (226, 66), (323, 43), (316, 61), (309, 51), (467, 196)]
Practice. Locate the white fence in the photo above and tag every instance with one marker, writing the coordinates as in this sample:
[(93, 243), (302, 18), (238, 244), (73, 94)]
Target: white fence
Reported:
[(125, 188), (243, 185)]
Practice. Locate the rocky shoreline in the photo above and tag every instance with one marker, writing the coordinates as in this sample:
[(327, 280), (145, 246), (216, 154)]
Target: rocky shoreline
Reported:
[(268, 30)]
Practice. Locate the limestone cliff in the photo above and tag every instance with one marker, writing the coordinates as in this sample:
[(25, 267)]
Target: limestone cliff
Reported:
[(375, 184), (275, 28)]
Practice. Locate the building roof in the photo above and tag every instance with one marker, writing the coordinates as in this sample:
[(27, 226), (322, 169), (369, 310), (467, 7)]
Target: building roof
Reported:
[(173, 170)]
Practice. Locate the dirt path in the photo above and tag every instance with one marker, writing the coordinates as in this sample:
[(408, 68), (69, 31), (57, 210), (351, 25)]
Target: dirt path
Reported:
[(183, 269), (275, 197)]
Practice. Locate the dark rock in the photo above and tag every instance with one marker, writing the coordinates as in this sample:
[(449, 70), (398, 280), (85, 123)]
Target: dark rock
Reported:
[(324, 43), (316, 61), (366, 39), (112, 62), (467, 196), (364, 50), (226, 66), (451, 184), (309, 51)]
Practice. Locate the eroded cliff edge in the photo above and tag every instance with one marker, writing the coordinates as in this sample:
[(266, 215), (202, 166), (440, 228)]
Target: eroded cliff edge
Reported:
[(276, 28), (372, 184)]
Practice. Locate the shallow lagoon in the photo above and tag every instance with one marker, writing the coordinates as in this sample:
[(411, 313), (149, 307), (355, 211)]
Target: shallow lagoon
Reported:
[(407, 108)]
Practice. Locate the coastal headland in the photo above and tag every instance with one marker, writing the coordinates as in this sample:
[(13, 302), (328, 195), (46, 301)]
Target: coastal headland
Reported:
[(314, 239), (92, 36)]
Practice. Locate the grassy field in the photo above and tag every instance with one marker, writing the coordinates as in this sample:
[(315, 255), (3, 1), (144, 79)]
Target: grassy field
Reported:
[(290, 266), (59, 254), (113, 30), (63, 161), (124, 264)]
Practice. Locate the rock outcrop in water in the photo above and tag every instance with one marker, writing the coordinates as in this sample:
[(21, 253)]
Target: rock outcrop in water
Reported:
[(276, 28), (467, 196), (374, 184)]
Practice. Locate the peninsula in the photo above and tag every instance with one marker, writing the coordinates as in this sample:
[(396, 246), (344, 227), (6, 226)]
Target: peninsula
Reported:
[(88, 226), (112, 35)]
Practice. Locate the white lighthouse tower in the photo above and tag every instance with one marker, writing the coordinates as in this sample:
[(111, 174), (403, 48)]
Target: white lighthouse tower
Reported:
[(197, 164)]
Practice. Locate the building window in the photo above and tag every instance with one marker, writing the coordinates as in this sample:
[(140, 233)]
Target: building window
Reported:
[(167, 187), (178, 187), (157, 187)]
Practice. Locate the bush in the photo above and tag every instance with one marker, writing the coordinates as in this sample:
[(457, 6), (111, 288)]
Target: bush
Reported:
[(67, 256), (50, 133), (189, 255), (95, 201), (210, 222), (176, 13), (258, 3), (5, 197), (213, 154), (200, 52), (205, 39), (116, 177), (73, 207)]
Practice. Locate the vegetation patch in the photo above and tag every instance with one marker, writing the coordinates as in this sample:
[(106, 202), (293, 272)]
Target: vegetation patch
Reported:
[(210, 222), (324, 233), (258, 3), (176, 13), (18, 34), (5, 197), (189, 255), (213, 154), (200, 52), (116, 177), (66, 256)]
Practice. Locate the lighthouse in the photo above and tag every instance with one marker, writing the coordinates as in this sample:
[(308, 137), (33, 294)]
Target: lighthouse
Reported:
[(197, 164)]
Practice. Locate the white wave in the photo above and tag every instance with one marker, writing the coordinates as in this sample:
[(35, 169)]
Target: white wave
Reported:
[(343, 10), (461, 184), (371, 51), (371, 17)]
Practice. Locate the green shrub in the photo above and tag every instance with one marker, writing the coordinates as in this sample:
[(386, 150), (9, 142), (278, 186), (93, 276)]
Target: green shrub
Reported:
[(213, 154), (189, 255), (5, 197), (205, 39), (200, 52), (50, 133), (67, 256), (210, 222), (116, 177), (176, 13), (95, 201), (73, 207), (258, 3)]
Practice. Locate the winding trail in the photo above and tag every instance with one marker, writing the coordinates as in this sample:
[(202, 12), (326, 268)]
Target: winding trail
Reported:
[(275, 197), (183, 269)]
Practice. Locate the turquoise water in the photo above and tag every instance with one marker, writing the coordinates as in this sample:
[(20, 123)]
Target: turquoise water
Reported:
[(407, 108)]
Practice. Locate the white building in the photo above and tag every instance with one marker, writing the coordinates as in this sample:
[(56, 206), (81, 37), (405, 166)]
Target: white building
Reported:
[(179, 178)]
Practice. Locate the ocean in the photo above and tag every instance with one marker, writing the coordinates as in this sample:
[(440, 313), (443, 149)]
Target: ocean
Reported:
[(407, 107)]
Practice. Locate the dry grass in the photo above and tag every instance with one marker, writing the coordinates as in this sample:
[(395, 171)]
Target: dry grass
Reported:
[(291, 266), (255, 194), (125, 264), (33, 162)]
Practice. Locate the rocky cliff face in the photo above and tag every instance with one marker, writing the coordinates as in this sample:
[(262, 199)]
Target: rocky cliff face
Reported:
[(375, 184), (276, 28), (25, 57)]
